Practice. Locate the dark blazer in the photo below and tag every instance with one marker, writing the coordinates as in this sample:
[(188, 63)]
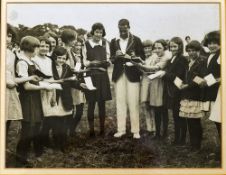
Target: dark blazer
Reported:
[(66, 86), (175, 69), (193, 91), (212, 68), (134, 45)]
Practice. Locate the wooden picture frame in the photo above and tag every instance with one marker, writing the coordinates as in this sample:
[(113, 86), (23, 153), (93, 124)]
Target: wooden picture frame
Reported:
[(167, 168)]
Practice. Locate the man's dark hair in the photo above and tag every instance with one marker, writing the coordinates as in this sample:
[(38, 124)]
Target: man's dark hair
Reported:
[(123, 22)]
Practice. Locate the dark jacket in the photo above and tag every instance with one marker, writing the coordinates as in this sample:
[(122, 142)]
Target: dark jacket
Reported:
[(175, 69), (134, 45), (66, 85), (193, 91), (212, 68)]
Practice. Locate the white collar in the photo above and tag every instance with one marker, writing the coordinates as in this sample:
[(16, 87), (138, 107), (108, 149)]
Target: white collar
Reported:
[(173, 58), (119, 38), (191, 62), (93, 44)]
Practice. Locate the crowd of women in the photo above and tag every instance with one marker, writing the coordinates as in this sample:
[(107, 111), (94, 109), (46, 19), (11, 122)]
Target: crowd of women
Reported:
[(154, 75)]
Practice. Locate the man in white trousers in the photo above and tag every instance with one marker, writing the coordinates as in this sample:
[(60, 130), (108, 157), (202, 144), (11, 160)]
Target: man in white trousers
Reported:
[(126, 78)]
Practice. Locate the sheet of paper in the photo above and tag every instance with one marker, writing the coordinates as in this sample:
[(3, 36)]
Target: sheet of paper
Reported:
[(89, 83), (129, 64), (56, 86), (84, 74), (210, 80), (73, 78), (198, 80), (155, 75), (219, 60), (45, 84), (178, 82), (78, 67)]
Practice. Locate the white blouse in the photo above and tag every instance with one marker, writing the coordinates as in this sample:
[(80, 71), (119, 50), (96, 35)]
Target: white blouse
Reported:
[(22, 67), (44, 64)]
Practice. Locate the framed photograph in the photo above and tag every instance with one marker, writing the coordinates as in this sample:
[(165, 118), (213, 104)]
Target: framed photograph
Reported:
[(112, 87)]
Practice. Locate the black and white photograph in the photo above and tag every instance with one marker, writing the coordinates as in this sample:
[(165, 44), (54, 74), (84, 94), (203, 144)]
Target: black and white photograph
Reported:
[(113, 86)]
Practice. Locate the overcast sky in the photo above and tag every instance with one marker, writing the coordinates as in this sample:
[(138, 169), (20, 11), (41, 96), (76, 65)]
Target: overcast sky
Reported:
[(148, 21)]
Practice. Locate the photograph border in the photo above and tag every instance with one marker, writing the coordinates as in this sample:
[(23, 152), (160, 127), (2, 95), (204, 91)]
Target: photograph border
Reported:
[(139, 171)]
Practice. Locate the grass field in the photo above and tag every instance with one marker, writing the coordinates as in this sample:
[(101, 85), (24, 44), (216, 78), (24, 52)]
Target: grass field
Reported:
[(108, 152)]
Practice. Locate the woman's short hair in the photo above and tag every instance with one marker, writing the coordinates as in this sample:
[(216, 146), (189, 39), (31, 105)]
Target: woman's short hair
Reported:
[(53, 35), (180, 44), (147, 43), (68, 35), (194, 44), (213, 36), (162, 42), (12, 31), (46, 40), (29, 43), (58, 51), (98, 26)]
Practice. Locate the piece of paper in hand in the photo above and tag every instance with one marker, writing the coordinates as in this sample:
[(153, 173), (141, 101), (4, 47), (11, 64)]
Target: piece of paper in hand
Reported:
[(155, 75), (219, 60), (45, 84), (78, 67), (129, 64), (210, 80), (178, 82), (84, 74), (89, 83), (56, 86), (198, 80), (73, 78)]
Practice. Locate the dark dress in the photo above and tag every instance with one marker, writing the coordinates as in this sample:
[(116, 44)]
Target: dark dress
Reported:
[(177, 68), (31, 100), (32, 117), (212, 68), (172, 95), (99, 78)]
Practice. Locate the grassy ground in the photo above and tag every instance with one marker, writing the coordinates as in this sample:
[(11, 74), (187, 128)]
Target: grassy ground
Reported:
[(108, 152)]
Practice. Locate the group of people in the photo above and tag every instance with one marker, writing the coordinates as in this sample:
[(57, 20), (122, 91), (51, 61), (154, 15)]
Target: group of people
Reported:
[(156, 76)]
